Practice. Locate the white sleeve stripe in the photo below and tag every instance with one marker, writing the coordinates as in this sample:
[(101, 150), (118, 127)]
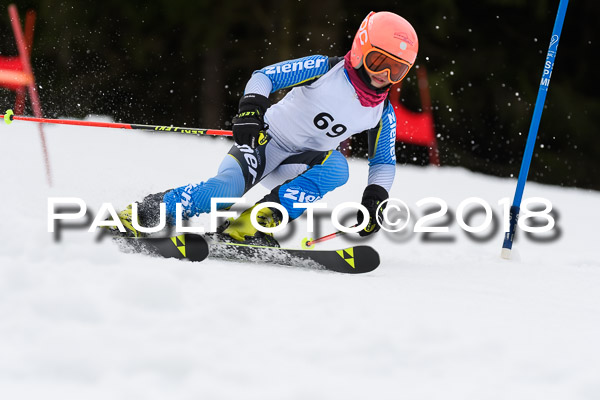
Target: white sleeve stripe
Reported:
[(259, 83), (382, 175)]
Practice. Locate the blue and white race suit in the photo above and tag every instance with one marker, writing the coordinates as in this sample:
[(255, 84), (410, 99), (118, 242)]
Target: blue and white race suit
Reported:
[(297, 158)]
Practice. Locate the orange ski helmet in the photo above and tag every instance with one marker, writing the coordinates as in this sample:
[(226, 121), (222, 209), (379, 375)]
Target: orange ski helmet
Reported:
[(385, 42)]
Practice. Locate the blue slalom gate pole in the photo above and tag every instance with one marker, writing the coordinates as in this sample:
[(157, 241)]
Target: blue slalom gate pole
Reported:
[(533, 129)]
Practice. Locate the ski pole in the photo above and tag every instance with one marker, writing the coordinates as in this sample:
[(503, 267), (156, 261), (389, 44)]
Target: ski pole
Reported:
[(533, 129), (310, 243), (10, 117)]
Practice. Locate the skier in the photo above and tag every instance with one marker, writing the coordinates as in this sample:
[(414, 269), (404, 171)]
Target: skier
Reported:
[(293, 142)]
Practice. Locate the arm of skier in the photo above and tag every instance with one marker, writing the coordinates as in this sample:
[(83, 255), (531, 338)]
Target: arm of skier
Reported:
[(382, 168), (249, 122), (290, 73)]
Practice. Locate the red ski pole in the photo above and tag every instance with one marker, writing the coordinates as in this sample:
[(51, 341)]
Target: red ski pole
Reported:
[(310, 243), (10, 117)]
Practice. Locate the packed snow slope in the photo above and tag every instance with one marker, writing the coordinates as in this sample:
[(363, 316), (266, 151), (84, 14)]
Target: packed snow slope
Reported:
[(443, 317)]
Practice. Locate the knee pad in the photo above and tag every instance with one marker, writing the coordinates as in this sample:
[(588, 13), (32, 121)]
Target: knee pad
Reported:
[(312, 185), (334, 171)]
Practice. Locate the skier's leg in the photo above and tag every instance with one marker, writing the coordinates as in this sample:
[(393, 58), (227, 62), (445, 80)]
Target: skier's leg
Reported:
[(196, 198), (326, 171), (239, 171), (323, 175)]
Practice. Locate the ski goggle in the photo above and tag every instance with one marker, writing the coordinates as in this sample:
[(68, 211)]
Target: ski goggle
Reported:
[(377, 61)]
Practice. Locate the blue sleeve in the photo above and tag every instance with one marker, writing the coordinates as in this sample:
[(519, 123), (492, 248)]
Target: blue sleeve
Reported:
[(382, 150), (295, 72)]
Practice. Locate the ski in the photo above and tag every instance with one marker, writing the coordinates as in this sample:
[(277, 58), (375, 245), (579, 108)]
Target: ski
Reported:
[(192, 247), (183, 247)]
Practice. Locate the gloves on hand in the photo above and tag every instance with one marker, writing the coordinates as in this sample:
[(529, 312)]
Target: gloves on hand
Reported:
[(373, 196), (249, 122)]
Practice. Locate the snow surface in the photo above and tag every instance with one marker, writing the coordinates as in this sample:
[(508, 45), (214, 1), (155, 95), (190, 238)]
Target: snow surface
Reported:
[(437, 320)]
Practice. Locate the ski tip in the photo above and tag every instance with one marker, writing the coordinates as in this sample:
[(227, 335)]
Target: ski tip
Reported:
[(184, 247), (505, 254), (361, 259), (374, 260)]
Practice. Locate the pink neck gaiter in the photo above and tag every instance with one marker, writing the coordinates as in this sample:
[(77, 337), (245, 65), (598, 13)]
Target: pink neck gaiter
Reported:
[(367, 96)]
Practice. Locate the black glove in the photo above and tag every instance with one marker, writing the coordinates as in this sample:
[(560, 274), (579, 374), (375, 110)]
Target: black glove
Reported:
[(373, 196), (249, 122)]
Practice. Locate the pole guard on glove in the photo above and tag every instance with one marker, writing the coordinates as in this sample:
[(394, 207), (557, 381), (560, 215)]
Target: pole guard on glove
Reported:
[(372, 198), (249, 122)]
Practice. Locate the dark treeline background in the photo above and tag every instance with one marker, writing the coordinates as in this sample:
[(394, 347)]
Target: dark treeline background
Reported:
[(187, 62)]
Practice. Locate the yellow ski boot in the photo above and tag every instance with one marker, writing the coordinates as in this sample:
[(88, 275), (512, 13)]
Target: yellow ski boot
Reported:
[(241, 229), (126, 218)]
